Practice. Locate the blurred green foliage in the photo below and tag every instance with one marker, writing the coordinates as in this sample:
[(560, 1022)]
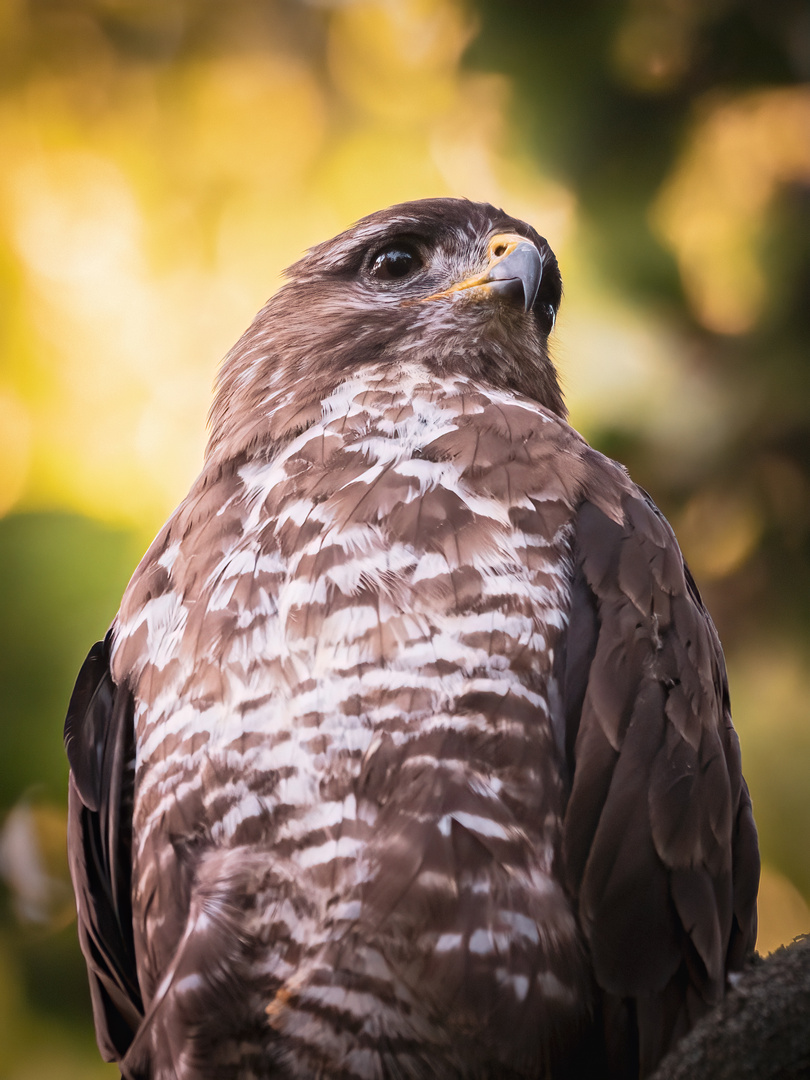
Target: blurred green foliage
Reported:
[(60, 577), (164, 159)]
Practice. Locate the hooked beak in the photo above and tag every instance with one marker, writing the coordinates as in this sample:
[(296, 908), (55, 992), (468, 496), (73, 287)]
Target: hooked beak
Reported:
[(513, 273)]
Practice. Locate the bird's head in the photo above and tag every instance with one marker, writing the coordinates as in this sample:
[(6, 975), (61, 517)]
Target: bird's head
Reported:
[(458, 287)]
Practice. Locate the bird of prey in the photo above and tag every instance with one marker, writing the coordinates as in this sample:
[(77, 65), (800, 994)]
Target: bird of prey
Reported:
[(409, 753)]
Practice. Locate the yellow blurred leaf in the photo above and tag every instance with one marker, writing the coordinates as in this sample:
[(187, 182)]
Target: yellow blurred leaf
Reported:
[(15, 449), (33, 863), (711, 210), (718, 531), (255, 120), (399, 61)]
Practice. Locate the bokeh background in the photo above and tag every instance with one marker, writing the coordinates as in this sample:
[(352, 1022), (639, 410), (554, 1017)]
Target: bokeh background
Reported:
[(161, 161)]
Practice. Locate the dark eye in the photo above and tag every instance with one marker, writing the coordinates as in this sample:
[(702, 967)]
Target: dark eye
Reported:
[(395, 262)]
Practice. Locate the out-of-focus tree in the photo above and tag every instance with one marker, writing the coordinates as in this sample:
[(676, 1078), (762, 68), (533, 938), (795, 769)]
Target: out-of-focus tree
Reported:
[(163, 160)]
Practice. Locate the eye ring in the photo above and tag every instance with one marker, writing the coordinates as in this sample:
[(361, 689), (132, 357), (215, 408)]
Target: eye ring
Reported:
[(395, 262)]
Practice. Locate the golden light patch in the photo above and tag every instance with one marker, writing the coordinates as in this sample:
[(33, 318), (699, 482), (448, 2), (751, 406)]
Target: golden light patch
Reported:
[(151, 208), (782, 911), (711, 211), (399, 61), (718, 531), (15, 449)]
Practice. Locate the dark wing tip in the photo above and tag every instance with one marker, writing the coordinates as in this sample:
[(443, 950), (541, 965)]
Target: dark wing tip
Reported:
[(98, 740), (86, 722)]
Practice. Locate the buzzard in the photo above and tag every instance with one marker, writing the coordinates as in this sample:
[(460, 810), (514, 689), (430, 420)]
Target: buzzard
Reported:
[(409, 752)]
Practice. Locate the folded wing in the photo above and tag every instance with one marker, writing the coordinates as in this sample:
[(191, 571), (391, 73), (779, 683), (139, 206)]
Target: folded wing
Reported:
[(660, 847), (99, 743)]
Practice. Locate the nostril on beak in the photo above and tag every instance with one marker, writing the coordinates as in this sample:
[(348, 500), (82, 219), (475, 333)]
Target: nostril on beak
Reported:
[(516, 277)]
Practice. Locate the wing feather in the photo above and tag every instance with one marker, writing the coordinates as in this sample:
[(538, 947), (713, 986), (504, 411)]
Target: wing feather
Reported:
[(659, 843), (99, 743)]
